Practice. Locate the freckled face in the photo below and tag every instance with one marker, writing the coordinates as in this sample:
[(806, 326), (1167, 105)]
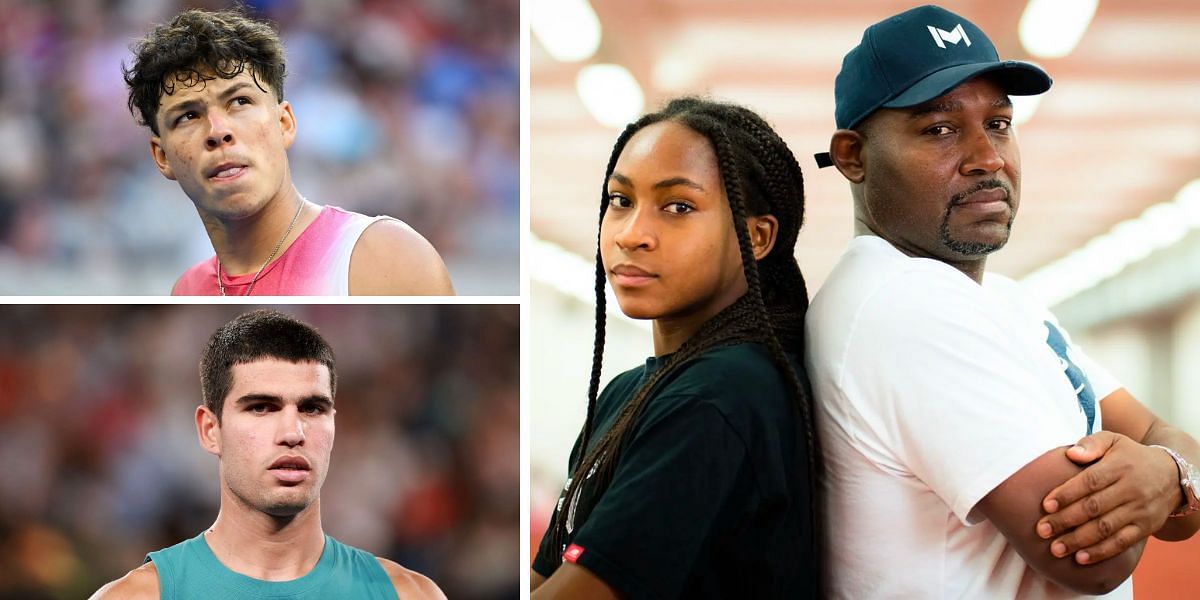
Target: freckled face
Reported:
[(667, 240), (276, 410), (225, 142)]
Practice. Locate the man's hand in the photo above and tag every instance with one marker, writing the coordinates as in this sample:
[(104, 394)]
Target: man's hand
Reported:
[(1113, 504)]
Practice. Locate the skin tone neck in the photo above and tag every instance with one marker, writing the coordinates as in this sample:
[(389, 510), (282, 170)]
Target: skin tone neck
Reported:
[(243, 245), (671, 333), (263, 546), (971, 266)]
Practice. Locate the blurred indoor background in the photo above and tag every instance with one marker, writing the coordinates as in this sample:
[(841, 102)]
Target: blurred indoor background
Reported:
[(405, 107), (101, 463), (1107, 229)]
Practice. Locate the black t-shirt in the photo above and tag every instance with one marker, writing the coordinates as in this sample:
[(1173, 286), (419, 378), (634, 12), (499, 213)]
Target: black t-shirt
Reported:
[(709, 498)]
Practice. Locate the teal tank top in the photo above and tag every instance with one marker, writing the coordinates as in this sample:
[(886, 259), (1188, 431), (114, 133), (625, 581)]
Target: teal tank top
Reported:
[(190, 570)]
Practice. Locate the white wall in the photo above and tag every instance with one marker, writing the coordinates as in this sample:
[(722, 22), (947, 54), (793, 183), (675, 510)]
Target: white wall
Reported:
[(563, 329)]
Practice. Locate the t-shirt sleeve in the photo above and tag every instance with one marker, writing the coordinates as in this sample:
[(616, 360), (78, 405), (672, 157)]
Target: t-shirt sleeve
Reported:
[(942, 394), (1102, 381), (669, 491)]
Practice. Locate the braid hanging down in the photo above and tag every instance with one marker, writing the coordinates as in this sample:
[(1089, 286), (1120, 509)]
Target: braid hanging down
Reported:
[(761, 176)]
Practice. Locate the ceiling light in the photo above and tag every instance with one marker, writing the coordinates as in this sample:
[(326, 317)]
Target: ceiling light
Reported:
[(573, 276), (610, 94), (1024, 107), (1052, 28), (1188, 200), (567, 29)]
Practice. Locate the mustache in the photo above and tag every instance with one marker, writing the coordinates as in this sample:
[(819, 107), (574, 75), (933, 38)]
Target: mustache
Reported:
[(989, 184)]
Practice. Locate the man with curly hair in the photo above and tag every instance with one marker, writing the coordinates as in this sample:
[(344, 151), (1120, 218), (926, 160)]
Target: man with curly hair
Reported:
[(209, 85), (268, 383)]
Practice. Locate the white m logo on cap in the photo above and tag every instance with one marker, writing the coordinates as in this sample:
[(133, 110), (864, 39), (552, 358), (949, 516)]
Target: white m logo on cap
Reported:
[(951, 36)]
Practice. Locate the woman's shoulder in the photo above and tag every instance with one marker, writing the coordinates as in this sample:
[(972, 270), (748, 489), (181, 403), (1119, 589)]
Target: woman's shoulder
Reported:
[(739, 366), (730, 375)]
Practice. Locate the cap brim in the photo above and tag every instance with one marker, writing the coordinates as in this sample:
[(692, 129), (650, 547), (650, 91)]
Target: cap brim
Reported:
[(1016, 77)]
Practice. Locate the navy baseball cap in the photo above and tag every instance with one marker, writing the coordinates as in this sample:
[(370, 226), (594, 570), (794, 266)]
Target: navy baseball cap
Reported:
[(917, 56)]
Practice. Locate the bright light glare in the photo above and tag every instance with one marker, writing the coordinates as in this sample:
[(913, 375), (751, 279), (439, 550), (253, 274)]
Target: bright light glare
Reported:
[(1165, 223), (1024, 107), (568, 29), (572, 276), (1052, 28), (610, 94), (1129, 241), (1188, 200)]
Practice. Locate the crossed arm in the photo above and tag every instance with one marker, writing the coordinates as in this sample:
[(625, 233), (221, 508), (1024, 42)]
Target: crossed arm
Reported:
[(1128, 490), (570, 581), (1102, 513)]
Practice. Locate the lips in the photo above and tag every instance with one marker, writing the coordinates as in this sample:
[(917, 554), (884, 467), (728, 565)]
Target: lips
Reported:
[(626, 275), (631, 271), (290, 469), (290, 462), (226, 170), (985, 196)]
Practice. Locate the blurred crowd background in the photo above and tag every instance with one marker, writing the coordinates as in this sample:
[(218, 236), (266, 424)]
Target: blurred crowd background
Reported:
[(101, 463), (405, 107)]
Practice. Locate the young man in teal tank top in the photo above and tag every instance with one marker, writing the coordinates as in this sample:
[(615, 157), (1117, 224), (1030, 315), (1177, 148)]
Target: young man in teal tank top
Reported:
[(268, 383)]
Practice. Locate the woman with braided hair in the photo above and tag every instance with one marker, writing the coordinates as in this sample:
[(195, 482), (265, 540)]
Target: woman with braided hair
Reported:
[(694, 475)]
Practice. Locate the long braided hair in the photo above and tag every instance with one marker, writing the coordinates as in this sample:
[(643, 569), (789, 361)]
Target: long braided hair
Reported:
[(761, 176)]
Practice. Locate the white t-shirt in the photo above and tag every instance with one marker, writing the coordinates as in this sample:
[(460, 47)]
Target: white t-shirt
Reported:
[(931, 391)]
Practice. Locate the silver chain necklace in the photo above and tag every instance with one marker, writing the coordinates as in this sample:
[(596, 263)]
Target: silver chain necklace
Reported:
[(279, 245)]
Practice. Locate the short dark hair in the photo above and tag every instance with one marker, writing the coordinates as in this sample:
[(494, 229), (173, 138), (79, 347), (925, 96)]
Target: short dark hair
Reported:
[(199, 46), (254, 336)]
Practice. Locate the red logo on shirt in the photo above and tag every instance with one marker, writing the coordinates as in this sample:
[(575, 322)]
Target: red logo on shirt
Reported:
[(573, 553)]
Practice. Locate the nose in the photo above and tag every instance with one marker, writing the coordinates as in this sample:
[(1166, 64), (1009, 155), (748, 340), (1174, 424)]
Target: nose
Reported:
[(982, 154), (220, 131), (290, 428), (634, 229)]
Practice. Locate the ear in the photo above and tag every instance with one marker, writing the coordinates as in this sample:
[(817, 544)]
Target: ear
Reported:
[(208, 430), (287, 124), (846, 150), (763, 232), (160, 158)]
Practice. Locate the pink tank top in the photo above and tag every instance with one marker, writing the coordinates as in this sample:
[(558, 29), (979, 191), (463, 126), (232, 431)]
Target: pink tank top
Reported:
[(316, 264)]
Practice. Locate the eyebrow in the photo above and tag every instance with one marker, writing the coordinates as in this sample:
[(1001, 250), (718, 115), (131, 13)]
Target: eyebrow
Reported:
[(946, 106), (193, 103), (314, 399), (666, 183)]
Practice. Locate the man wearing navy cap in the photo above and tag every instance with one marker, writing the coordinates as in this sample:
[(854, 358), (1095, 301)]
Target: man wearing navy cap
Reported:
[(958, 420)]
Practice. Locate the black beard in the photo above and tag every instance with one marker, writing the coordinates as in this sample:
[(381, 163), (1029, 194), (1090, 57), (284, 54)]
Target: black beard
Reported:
[(974, 248)]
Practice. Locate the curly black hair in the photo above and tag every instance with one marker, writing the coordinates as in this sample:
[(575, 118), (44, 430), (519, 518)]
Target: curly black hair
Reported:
[(199, 46)]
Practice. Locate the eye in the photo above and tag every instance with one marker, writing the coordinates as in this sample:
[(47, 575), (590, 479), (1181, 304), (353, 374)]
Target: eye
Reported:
[(619, 201), (679, 208), (314, 409), (939, 130), (242, 100), (259, 409), (1001, 124), (187, 116)]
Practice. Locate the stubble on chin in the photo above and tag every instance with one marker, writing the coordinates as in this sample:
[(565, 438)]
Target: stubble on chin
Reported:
[(279, 503), (974, 248), (970, 248)]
